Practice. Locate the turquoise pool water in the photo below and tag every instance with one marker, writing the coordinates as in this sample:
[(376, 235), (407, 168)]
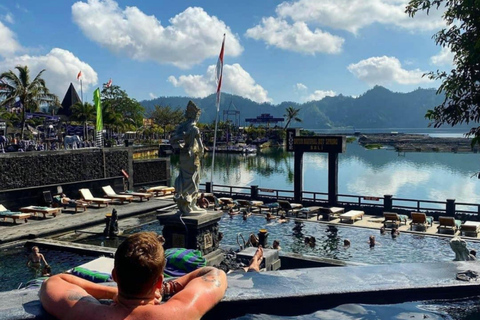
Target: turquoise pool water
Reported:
[(467, 309), (403, 249), (15, 273)]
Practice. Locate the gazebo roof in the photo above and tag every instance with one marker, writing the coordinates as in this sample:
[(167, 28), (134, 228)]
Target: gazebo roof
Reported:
[(71, 97)]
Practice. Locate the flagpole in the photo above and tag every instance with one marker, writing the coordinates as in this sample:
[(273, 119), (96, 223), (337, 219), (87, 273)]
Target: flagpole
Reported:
[(81, 88), (219, 76), (214, 145)]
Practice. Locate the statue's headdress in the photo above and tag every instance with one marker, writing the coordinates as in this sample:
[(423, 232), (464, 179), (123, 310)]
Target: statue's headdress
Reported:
[(192, 110)]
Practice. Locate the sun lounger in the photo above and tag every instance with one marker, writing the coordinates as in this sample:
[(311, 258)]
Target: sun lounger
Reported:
[(250, 205), (330, 212), (351, 215), (308, 211), (394, 218), (87, 196), (470, 228), (5, 213), (289, 207), (227, 203), (139, 195), (270, 207), (420, 219), (43, 210), (448, 223), (111, 194), (212, 200), (164, 190)]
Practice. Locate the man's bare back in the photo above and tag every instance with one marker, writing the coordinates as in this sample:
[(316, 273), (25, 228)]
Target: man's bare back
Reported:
[(69, 297)]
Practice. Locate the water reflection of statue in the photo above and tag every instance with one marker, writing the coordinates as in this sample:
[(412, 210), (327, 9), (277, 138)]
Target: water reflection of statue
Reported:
[(187, 139)]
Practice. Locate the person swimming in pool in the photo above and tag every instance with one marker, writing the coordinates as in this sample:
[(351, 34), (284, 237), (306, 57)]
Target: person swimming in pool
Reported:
[(35, 259), (371, 241)]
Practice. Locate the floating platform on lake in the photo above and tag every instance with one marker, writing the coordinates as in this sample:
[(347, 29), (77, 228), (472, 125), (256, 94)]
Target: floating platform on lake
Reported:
[(418, 142)]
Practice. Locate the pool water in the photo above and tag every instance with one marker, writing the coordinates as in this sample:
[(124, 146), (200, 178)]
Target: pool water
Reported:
[(15, 273), (406, 248), (465, 309)]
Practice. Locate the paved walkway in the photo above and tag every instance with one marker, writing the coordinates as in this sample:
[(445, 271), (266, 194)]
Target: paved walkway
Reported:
[(68, 220)]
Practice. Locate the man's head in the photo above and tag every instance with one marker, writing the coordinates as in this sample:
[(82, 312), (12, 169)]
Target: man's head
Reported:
[(139, 264)]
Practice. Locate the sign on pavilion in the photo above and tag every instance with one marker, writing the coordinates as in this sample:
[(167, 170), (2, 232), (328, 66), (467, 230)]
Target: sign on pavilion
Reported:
[(333, 145)]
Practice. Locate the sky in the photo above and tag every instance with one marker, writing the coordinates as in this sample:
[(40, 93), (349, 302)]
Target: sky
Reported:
[(275, 51)]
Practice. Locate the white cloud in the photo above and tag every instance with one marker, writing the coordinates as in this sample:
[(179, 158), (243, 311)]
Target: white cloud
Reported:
[(295, 37), (152, 96), (300, 87), (235, 81), (9, 44), (191, 37), (61, 67), (8, 18), (319, 95), (384, 70), (352, 15), (443, 58)]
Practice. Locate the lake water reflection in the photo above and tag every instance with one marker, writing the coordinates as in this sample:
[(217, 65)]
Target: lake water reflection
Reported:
[(422, 175)]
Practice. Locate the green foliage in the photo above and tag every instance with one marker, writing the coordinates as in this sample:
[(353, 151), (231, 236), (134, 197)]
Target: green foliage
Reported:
[(32, 94), (120, 111), (351, 139), (461, 85), (373, 146), (291, 115), (167, 118), (83, 112)]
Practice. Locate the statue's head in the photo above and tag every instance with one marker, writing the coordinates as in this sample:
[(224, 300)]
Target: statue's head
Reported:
[(192, 112)]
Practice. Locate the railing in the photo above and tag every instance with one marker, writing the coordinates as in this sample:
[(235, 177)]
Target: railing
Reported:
[(375, 204)]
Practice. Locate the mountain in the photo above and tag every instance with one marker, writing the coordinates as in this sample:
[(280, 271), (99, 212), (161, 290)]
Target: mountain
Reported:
[(376, 108)]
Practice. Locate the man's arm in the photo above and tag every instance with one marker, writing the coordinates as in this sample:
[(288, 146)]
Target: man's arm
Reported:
[(202, 290), (60, 293)]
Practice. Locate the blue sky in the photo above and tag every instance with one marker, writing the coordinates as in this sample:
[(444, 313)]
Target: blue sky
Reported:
[(275, 51)]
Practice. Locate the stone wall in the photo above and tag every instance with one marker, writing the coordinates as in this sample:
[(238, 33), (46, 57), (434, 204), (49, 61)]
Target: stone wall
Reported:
[(31, 169), (155, 171), (24, 176)]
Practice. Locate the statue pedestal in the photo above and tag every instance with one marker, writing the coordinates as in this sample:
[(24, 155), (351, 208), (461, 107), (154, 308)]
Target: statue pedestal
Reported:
[(199, 232)]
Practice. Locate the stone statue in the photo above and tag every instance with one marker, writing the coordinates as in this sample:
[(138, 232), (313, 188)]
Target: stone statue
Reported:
[(187, 139), (459, 246)]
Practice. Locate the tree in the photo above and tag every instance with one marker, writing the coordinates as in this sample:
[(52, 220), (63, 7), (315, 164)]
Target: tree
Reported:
[(167, 118), (461, 86), (292, 114), (83, 112), (30, 94)]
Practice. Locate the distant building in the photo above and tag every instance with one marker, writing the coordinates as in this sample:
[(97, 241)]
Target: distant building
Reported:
[(71, 98), (265, 118)]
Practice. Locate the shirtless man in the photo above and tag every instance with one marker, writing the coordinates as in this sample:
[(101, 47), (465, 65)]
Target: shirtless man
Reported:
[(138, 271)]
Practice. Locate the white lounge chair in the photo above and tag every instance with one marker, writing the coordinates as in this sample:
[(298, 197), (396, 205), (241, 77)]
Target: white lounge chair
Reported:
[(111, 194), (87, 196)]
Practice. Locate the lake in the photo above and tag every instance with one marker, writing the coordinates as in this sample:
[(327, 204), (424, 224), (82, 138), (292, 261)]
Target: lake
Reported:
[(418, 175)]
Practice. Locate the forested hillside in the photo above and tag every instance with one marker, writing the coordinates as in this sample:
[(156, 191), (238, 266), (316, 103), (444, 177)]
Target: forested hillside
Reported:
[(376, 108)]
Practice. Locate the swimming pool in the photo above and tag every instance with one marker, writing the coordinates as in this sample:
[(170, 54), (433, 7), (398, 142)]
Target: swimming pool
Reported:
[(464, 309), (406, 248), (15, 273)]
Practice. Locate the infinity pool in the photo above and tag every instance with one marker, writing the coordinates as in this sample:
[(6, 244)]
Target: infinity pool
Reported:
[(407, 247)]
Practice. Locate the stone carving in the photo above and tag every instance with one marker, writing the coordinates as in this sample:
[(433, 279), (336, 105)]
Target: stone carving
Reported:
[(459, 246), (187, 139)]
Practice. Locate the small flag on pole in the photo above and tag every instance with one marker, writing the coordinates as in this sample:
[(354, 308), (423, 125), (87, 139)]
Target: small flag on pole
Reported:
[(79, 75), (219, 73), (109, 83)]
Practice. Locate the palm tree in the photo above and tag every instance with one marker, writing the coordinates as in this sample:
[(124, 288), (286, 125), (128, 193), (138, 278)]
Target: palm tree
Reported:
[(83, 112), (292, 114), (30, 94)]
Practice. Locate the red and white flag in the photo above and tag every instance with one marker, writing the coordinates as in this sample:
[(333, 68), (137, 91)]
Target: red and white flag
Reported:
[(109, 83), (219, 73), (79, 75)]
